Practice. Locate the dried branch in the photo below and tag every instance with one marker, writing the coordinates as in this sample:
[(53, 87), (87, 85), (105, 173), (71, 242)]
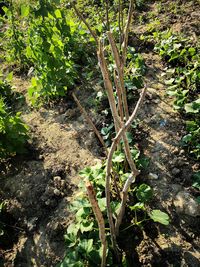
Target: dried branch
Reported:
[(108, 85), (85, 22), (126, 31), (119, 96), (90, 122), (120, 22), (107, 15), (110, 155), (100, 220), (119, 68)]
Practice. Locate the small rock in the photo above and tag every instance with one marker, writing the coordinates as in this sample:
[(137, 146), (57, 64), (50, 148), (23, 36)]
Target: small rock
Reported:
[(57, 192), (182, 152), (153, 176), (57, 181), (186, 204), (176, 151), (175, 171)]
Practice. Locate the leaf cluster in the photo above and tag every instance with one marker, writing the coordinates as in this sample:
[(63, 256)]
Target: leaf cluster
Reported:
[(13, 131), (183, 81)]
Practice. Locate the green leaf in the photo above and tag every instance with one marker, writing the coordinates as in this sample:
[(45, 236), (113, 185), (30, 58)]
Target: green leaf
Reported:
[(73, 229), (159, 216), (187, 138), (192, 51), (86, 226), (86, 245), (9, 77), (70, 240), (196, 180), (82, 213), (118, 157), (138, 206), (102, 204), (144, 193), (170, 81), (193, 107), (129, 137), (24, 10), (58, 14)]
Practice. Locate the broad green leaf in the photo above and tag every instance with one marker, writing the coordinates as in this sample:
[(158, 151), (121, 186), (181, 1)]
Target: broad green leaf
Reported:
[(159, 216), (138, 206), (187, 138), (86, 226), (118, 157), (70, 239), (73, 229), (24, 10), (86, 245), (144, 193), (170, 81), (193, 107), (58, 14), (102, 204)]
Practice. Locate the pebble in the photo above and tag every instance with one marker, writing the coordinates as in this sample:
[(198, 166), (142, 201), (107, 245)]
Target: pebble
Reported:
[(186, 204), (57, 179), (56, 192), (153, 176)]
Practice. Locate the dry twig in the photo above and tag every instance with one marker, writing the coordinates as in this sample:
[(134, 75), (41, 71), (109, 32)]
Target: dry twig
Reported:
[(90, 122), (100, 220)]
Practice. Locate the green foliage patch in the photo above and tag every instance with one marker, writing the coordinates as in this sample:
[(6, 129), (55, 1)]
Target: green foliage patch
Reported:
[(13, 131), (183, 80)]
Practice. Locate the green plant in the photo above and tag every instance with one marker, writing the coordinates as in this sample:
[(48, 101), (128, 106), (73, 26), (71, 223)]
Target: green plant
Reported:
[(15, 47), (13, 132), (120, 164), (55, 48), (183, 81), (82, 236), (192, 139)]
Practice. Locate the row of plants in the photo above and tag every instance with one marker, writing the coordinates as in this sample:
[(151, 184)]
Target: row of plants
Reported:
[(182, 77), (110, 201), (13, 131), (46, 43)]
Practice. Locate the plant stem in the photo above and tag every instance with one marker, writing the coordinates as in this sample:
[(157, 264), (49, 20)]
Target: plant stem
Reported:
[(90, 122), (126, 31), (120, 72)]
